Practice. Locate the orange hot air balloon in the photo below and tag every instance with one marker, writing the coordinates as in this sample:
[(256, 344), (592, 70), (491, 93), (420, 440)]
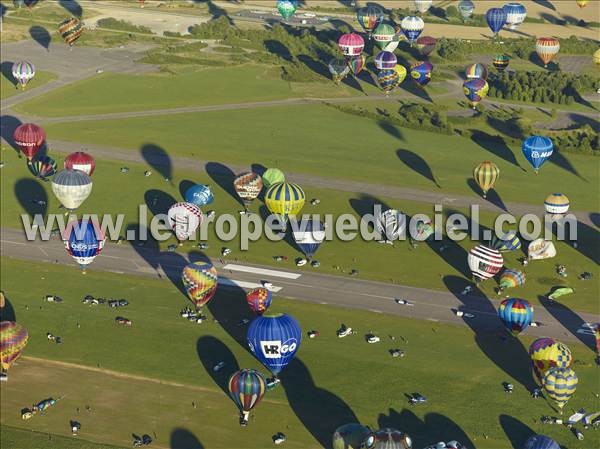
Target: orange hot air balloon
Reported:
[(547, 48)]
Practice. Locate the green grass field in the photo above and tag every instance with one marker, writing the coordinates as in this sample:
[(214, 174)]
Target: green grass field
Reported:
[(333, 381), (423, 267), (8, 88), (315, 138)]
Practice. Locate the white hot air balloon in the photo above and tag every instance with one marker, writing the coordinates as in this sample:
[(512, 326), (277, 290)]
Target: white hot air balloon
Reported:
[(71, 188), (541, 249), (422, 6), (184, 218), (390, 224), (484, 262)]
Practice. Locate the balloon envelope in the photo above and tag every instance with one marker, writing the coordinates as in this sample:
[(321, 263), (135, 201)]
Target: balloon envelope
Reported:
[(388, 439), (184, 219), (466, 8), (80, 161), (338, 67), (506, 242), (29, 138), (200, 282), (515, 14), (369, 17), (420, 72), (476, 71), (516, 314), (246, 387), (13, 339), (412, 27), (557, 203), (199, 194), (391, 224), (426, 45), (541, 249), (42, 167), (512, 278), (385, 60), (496, 19), (259, 300), (274, 340), (248, 186), (70, 30), (83, 240), (350, 436), (537, 150), (501, 62), (71, 188), (540, 442), (485, 175), (287, 8), (23, 72), (547, 48), (357, 63), (284, 200), (475, 90), (546, 353), (308, 235), (351, 44), (274, 175), (383, 35), (560, 385), (484, 262), (388, 79)]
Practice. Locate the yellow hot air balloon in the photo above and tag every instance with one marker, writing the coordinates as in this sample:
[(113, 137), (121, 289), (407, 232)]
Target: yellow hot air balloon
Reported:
[(581, 3), (546, 353), (596, 57), (560, 384), (485, 175), (200, 282), (13, 339), (284, 200), (401, 71)]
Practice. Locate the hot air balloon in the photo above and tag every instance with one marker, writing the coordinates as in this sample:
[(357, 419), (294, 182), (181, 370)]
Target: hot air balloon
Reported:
[(484, 262), (596, 57), (401, 71), (475, 90), (476, 70), (485, 175), (356, 64), (184, 219), (560, 291), (541, 249), (426, 45), (274, 340), (13, 339), (23, 72), (385, 60), (560, 385), (547, 48), (546, 353), (383, 35), (516, 314), (351, 44), (506, 242), (338, 67), (248, 186), (556, 204), (287, 8), (581, 3), (422, 6), (284, 200), (199, 194), (540, 442), (496, 19), (71, 188), (246, 387), (259, 300), (70, 30), (369, 17), (511, 279), (390, 225), (273, 175), (466, 8), (388, 79), (515, 14), (388, 439), (200, 282), (412, 27), (420, 72), (80, 161), (308, 235), (537, 149), (501, 62), (83, 240), (42, 167), (29, 138), (350, 436)]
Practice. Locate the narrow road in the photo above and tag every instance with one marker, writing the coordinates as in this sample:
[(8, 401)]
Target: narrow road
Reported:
[(308, 285)]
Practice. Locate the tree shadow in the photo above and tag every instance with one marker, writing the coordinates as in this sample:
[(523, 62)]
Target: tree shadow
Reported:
[(7, 313), (211, 351), (433, 427), (319, 410), (515, 431), (158, 159), (32, 196), (561, 160), (72, 7), (392, 130), (229, 307), (507, 353), (184, 186), (223, 176), (7, 72), (41, 36), (545, 4), (495, 145), (492, 196), (417, 164), (184, 439), (8, 124), (569, 319)]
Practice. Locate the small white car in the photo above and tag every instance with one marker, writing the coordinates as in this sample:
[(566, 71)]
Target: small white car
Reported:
[(344, 332), (403, 302), (218, 366), (373, 339), (267, 284), (300, 262)]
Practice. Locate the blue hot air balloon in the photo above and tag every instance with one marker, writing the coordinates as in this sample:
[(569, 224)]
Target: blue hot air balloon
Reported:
[(537, 149), (199, 194), (515, 14), (84, 240), (308, 234), (496, 19), (540, 442), (516, 314), (274, 340)]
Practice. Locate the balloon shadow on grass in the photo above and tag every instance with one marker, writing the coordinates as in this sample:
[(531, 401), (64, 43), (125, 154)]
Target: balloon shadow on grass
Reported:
[(212, 351), (184, 439), (8, 124), (561, 161), (41, 36), (570, 320), (223, 176), (278, 49), (158, 159), (319, 410), (316, 66), (434, 427), (158, 202), (184, 186), (7, 72), (392, 130), (416, 90), (146, 247), (501, 348), (588, 239), (417, 164), (32, 196), (229, 308), (545, 4), (495, 145), (515, 431), (365, 204), (492, 196), (72, 7)]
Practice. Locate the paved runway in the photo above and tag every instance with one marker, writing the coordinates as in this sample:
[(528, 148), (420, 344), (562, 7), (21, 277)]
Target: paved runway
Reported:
[(309, 285)]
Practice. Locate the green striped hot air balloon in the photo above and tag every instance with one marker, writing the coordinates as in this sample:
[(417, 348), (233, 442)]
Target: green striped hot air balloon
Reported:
[(506, 242), (485, 175), (511, 278), (560, 385)]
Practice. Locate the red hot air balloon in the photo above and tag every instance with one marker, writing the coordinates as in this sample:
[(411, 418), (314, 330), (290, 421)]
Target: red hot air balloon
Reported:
[(80, 161), (29, 138)]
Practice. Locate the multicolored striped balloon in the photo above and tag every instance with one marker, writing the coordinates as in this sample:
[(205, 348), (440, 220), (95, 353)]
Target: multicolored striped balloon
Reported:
[(475, 90), (476, 71), (23, 72), (13, 339), (546, 353), (485, 175), (357, 63), (259, 300), (501, 62), (200, 282), (516, 314), (484, 262), (506, 242), (510, 279), (246, 387), (369, 17), (547, 48), (70, 30), (388, 79), (42, 167), (248, 186), (560, 385)]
